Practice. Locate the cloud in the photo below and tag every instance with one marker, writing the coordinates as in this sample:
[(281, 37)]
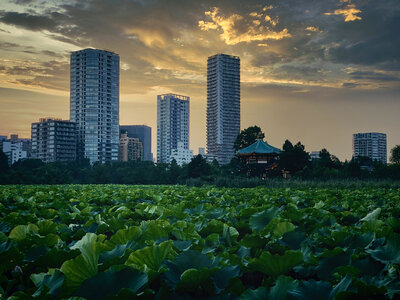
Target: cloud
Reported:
[(349, 85), (349, 12), (281, 42), (374, 76), (312, 29), (28, 21), (237, 28)]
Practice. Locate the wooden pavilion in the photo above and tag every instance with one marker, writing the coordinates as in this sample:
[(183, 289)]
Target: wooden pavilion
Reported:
[(260, 155)]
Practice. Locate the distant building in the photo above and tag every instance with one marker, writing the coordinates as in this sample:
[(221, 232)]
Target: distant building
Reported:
[(202, 151), (371, 144), (94, 103), (223, 106), (172, 124), (54, 140), (14, 152), (3, 138), (314, 155), (181, 154), (15, 148), (143, 133), (130, 148)]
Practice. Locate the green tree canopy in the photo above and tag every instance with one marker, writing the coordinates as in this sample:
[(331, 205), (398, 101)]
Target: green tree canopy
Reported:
[(198, 167), (3, 161), (247, 137), (395, 154), (293, 158)]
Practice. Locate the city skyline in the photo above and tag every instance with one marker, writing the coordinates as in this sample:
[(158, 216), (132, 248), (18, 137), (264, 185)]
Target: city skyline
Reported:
[(311, 72)]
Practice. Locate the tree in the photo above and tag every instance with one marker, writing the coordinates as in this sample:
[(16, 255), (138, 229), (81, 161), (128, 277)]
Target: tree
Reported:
[(247, 137), (174, 172), (293, 158), (198, 167), (395, 154), (3, 161)]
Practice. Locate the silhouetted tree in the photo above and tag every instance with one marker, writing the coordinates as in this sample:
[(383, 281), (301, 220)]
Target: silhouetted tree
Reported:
[(293, 158), (3, 162), (247, 137), (395, 154), (198, 167), (174, 172)]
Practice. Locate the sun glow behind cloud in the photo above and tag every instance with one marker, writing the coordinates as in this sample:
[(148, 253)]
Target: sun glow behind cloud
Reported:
[(236, 28), (349, 12)]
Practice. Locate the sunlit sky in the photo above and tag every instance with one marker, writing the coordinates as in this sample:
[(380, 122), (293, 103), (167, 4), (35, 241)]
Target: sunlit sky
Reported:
[(311, 71)]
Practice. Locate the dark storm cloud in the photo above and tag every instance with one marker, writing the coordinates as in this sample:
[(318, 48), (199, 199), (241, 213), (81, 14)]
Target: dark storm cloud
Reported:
[(50, 74), (28, 21), (7, 45), (373, 76), (349, 84)]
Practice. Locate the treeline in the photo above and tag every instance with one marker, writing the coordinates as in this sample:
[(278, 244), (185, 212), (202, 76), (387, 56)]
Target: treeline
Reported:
[(293, 160)]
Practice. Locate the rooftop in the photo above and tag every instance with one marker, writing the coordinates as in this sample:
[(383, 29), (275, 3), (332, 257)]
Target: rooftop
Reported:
[(259, 147)]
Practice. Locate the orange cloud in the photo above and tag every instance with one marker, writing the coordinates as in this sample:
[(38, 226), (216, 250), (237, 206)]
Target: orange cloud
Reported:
[(312, 28), (350, 13), (236, 28)]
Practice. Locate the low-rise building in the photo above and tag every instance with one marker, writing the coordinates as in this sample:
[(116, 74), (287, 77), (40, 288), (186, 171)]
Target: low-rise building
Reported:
[(14, 151), (181, 154), (314, 155), (143, 133), (15, 148), (54, 140), (130, 148)]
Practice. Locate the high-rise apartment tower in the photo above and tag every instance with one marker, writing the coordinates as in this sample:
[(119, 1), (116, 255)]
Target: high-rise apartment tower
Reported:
[(94, 103), (172, 124), (223, 106)]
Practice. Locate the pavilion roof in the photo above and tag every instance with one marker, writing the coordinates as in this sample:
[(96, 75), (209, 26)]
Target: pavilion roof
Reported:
[(259, 147)]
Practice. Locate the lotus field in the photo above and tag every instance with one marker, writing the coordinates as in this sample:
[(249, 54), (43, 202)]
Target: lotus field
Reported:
[(175, 242)]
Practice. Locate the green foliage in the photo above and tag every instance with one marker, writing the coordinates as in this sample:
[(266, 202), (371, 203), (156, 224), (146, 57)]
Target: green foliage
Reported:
[(111, 282), (247, 137), (293, 158), (150, 258), (395, 154), (163, 242), (198, 167), (275, 265)]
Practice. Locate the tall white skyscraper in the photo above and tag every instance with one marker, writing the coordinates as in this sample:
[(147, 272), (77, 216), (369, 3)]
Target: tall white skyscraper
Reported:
[(223, 106), (172, 124), (94, 103), (370, 144)]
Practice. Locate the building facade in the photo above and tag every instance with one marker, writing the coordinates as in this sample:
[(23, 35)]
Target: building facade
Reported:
[(130, 148), (14, 151), (15, 148), (223, 106), (370, 144), (143, 133), (314, 155), (181, 154), (202, 151), (54, 140), (172, 124), (94, 103)]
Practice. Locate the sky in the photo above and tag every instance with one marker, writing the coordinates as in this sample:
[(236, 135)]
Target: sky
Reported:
[(311, 71)]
